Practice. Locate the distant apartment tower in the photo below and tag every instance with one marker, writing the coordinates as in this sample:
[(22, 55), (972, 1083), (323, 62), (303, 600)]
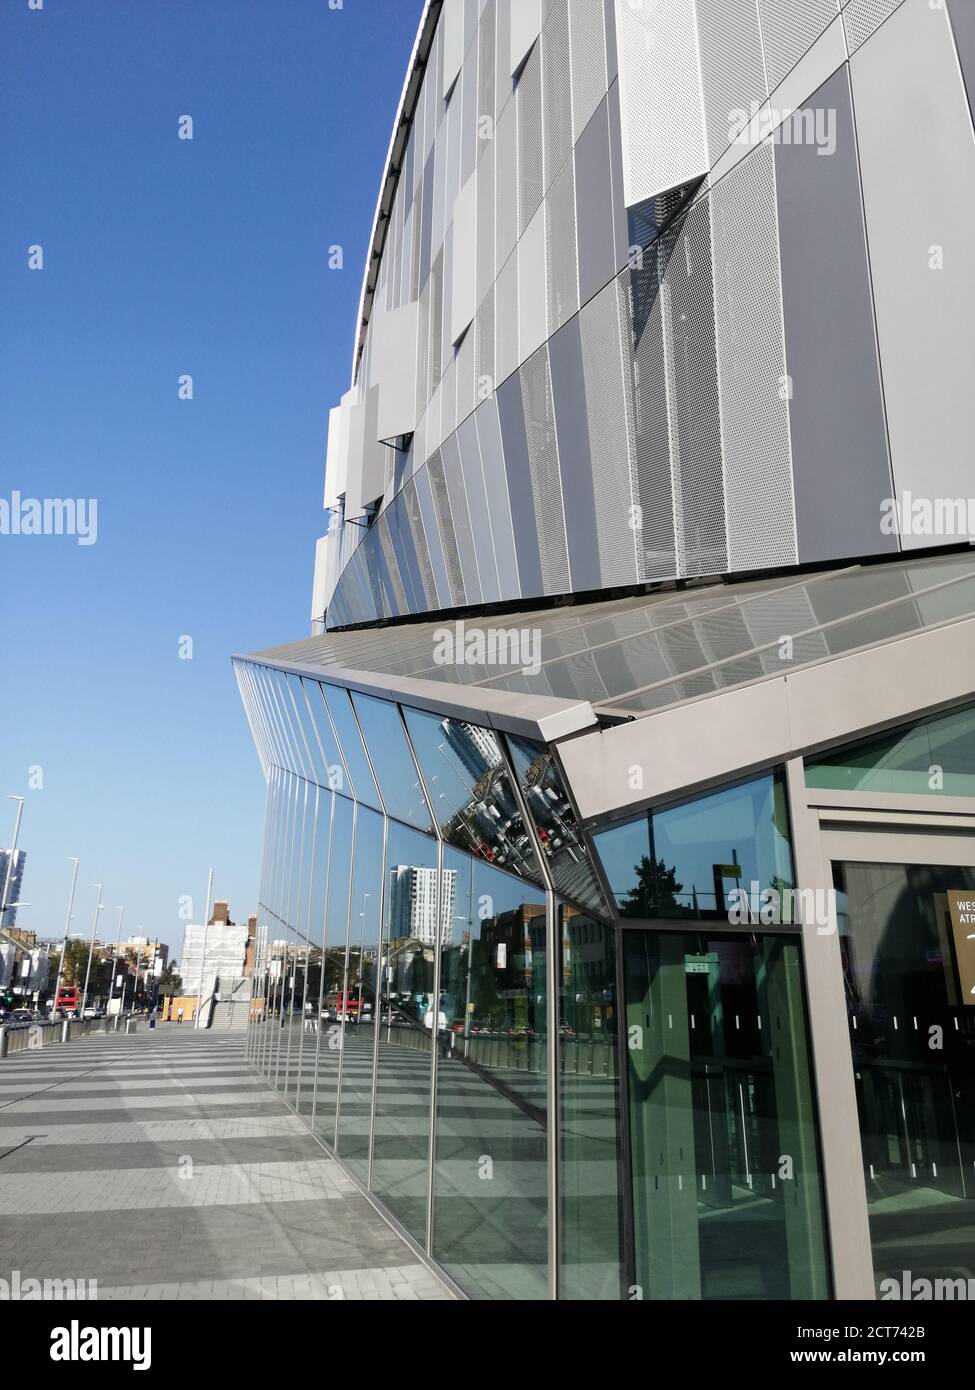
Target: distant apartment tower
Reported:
[(413, 910)]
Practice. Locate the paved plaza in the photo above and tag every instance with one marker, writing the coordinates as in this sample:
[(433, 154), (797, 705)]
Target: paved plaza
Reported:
[(161, 1166)]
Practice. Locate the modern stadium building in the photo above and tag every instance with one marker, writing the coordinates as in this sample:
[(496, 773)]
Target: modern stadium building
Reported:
[(617, 921)]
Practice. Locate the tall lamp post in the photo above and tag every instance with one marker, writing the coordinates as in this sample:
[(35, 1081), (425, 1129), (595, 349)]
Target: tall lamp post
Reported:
[(98, 907)]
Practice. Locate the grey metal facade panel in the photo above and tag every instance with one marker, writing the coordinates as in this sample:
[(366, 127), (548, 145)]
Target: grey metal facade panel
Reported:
[(448, 535), (612, 55), (753, 377), (575, 464), (515, 447), (621, 237), (499, 506), (688, 302), (431, 527), (789, 28), (561, 272), (411, 508), (962, 14), (506, 184), (531, 176), (587, 52), (831, 346), (862, 19), (594, 195), (924, 314), (532, 299), (732, 65), (473, 478), (654, 523), (464, 522), (543, 466), (556, 90), (606, 355)]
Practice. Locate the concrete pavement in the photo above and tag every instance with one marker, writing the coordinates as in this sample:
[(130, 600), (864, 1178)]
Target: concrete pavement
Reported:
[(161, 1166)]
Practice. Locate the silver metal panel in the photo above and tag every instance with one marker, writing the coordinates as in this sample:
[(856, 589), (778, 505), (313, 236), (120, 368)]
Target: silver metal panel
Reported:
[(506, 327), (562, 280), (396, 333), (587, 51), (596, 250), (485, 267), (532, 309), (441, 502), (751, 366), (789, 28), (657, 480), (543, 462), (660, 97), (863, 18), (464, 243), (924, 314), (464, 522), (525, 26), (605, 356), (499, 506), (732, 66), (531, 178), (556, 90), (484, 357), (506, 184)]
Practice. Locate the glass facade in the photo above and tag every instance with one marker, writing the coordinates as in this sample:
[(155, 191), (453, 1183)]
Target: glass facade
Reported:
[(931, 757), (442, 992), (684, 861), (909, 975)]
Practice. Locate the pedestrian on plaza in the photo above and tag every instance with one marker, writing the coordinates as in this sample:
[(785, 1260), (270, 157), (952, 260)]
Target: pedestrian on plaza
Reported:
[(179, 1014)]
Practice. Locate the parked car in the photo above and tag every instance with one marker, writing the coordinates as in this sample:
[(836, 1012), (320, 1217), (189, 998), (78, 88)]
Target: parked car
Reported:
[(22, 1016)]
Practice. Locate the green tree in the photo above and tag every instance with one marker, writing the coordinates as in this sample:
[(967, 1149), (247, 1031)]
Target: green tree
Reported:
[(170, 982), (655, 893)]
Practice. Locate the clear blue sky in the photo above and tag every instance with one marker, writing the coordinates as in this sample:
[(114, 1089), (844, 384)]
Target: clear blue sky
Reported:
[(163, 257)]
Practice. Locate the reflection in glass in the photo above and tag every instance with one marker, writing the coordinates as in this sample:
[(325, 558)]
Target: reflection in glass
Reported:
[(727, 1200), (684, 861), (353, 1006), (908, 965), (333, 765), (363, 785), (490, 1213), (302, 716), (902, 760), (563, 845), (317, 938), (412, 909), (333, 967), (589, 1150), (471, 791), (390, 753)]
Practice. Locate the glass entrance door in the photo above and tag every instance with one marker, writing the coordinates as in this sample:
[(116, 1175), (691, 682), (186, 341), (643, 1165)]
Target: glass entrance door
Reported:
[(906, 914), (723, 1144)]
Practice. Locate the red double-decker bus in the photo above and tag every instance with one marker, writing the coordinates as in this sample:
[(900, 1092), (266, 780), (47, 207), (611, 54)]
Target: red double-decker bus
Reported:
[(67, 999)]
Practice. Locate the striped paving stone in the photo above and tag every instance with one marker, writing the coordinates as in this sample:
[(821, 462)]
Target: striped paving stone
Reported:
[(228, 1194)]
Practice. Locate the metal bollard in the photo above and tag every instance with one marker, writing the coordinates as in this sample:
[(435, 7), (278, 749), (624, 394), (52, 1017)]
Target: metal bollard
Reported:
[(3, 1040)]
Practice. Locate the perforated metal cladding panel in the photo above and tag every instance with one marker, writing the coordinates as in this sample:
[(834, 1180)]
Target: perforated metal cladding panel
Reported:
[(587, 50), (688, 321), (391, 581), (560, 259), (468, 129), (789, 28), (506, 184), (752, 370), (863, 17), (486, 77), (502, 52), (543, 463), (660, 97), (431, 529), (445, 520), (410, 507), (435, 327), (472, 475), (556, 90), (654, 523), (531, 183), (732, 70), (484, 379), (499, 505), (506, 320), (605, 360), (466, 362), (463, 522), (484, 255)]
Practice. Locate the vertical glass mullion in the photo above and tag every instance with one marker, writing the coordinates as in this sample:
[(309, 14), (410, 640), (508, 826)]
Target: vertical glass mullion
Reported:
[(321, 975)]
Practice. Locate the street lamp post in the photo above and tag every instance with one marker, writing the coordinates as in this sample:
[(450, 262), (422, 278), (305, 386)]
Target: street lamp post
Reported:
[(91, 947), (12, 859)]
